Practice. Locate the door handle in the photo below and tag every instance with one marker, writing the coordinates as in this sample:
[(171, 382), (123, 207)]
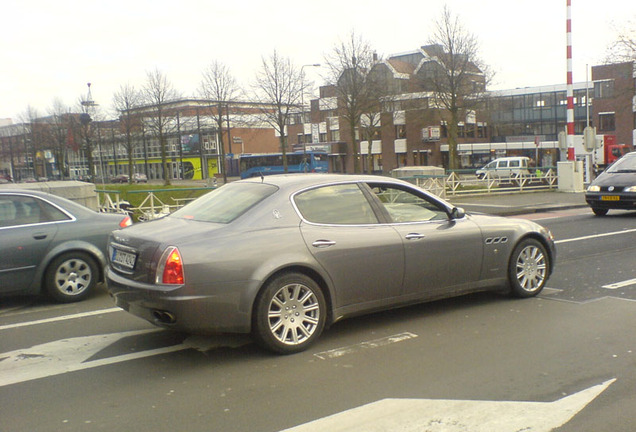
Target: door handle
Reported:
[(415, 236), (323, 243), (39, 236)]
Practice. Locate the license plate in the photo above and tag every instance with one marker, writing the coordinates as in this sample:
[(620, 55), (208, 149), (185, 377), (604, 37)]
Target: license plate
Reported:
[(610, 198), (125, 259)]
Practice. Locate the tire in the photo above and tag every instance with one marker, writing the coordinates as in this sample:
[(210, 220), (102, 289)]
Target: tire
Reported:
[(528, 269), (71, 277), (600, 211), (289, 314)]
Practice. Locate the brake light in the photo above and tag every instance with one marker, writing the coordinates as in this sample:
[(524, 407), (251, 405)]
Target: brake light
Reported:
[(170, 268), (125, 222)]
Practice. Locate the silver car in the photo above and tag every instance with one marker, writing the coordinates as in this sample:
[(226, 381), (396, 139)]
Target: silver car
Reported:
[(285, 256), (52, 245)]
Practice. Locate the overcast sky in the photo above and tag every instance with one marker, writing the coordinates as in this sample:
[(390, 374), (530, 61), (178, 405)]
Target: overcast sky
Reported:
[(51, 49)]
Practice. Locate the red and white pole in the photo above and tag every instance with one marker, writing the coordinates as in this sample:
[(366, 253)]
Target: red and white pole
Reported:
[(570, 87)]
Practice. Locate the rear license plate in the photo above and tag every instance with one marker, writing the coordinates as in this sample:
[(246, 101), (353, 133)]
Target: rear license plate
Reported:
[(122, 258), (610, 198)]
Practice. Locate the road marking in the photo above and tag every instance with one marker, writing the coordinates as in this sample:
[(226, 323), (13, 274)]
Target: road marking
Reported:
[(436, 415), (595, 236), (618, 285), (61, 318), (339, 352), (75, 354)]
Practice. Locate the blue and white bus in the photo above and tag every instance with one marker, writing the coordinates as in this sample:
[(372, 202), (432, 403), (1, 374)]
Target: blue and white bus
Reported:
[(254, 165)]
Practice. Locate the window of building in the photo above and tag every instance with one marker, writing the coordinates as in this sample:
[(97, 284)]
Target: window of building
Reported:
[(606, 122), (400, 131), (604, 89)]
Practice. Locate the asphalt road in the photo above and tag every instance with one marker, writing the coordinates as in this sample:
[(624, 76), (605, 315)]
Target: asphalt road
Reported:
[(482, 362)]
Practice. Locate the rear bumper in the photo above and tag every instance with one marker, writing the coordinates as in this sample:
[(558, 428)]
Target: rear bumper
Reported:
[(181, 307)]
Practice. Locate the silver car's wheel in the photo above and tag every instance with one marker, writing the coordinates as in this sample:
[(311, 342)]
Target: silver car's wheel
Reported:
[(290, 313), (529, 268), (71, 277)]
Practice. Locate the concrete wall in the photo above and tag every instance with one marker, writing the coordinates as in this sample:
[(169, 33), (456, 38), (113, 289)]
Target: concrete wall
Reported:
[(80, 192)]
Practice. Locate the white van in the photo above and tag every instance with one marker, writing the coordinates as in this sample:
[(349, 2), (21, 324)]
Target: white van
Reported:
[(507, 167)]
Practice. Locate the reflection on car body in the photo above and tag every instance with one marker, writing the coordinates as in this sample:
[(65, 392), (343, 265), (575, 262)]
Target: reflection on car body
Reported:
[(53, 245), (284, 256)]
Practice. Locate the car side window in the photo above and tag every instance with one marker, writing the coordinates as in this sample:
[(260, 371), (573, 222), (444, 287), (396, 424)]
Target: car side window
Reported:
[(18, 210), (514, 164), (503, 164), (404, 205), (343, 204)]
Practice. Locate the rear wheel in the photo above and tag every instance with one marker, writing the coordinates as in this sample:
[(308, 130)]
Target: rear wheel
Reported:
[(290, 313), (600, 211), (528, 269), (71, 277)]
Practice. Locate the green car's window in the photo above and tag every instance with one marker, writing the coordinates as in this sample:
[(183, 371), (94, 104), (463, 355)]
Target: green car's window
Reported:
[(343, 204)]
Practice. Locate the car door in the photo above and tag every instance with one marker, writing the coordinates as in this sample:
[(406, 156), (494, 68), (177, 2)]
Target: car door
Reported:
[(364, 259), (441, 254), (24, 240)]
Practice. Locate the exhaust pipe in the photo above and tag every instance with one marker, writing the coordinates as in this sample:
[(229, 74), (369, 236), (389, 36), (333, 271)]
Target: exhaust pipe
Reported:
[(164, 317)]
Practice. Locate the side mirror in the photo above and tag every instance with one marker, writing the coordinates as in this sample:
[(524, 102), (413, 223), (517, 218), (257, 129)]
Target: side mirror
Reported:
[(457, 213)]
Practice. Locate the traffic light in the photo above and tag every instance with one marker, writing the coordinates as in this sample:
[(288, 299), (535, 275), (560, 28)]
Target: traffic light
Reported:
[(589, 139)]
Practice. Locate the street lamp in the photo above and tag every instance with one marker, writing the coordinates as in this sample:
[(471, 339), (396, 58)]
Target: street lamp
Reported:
[(302, 109)]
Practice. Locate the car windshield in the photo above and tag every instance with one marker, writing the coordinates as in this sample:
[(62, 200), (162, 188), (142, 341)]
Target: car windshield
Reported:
[(626, 164), (225, 204)]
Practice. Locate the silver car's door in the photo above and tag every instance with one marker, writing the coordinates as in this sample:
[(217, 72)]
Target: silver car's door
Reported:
[(23, 242), (364, 259), (441, 255)]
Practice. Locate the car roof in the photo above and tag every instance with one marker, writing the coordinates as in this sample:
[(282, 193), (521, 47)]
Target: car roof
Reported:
[(301, 181)]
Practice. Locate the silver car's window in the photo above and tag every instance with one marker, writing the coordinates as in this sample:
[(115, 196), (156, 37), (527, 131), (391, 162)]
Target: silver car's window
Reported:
[(343, 204), (405, 206), (225, 204), (23, 210)]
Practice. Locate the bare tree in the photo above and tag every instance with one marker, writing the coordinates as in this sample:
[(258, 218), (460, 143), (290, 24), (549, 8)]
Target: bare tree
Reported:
[(349, 64), (31, 135), (58, 133), (125, 100), (279, 87), (157, 92), (376, 91), (623, 49), (455, 74), (219, 87)]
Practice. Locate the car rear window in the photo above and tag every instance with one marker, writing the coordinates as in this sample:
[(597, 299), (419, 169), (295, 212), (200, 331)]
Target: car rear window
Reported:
[(225, 204)]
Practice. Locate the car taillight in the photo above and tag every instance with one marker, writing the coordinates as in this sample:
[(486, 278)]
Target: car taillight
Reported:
[(170, 268), (126, 222)]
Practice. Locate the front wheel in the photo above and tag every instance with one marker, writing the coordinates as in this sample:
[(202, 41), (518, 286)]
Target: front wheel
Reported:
[(71, 277), (528, 269), (290, 313)]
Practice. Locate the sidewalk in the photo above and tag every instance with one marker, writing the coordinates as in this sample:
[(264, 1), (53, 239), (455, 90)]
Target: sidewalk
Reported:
[(520, 203)]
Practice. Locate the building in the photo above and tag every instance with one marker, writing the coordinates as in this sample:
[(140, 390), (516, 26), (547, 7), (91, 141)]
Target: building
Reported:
[(615, 101)]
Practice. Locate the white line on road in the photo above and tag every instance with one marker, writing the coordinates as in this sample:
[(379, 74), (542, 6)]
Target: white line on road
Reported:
[(595, 236), (618, 285), (415, 415), (339, 352), (60, 318)]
